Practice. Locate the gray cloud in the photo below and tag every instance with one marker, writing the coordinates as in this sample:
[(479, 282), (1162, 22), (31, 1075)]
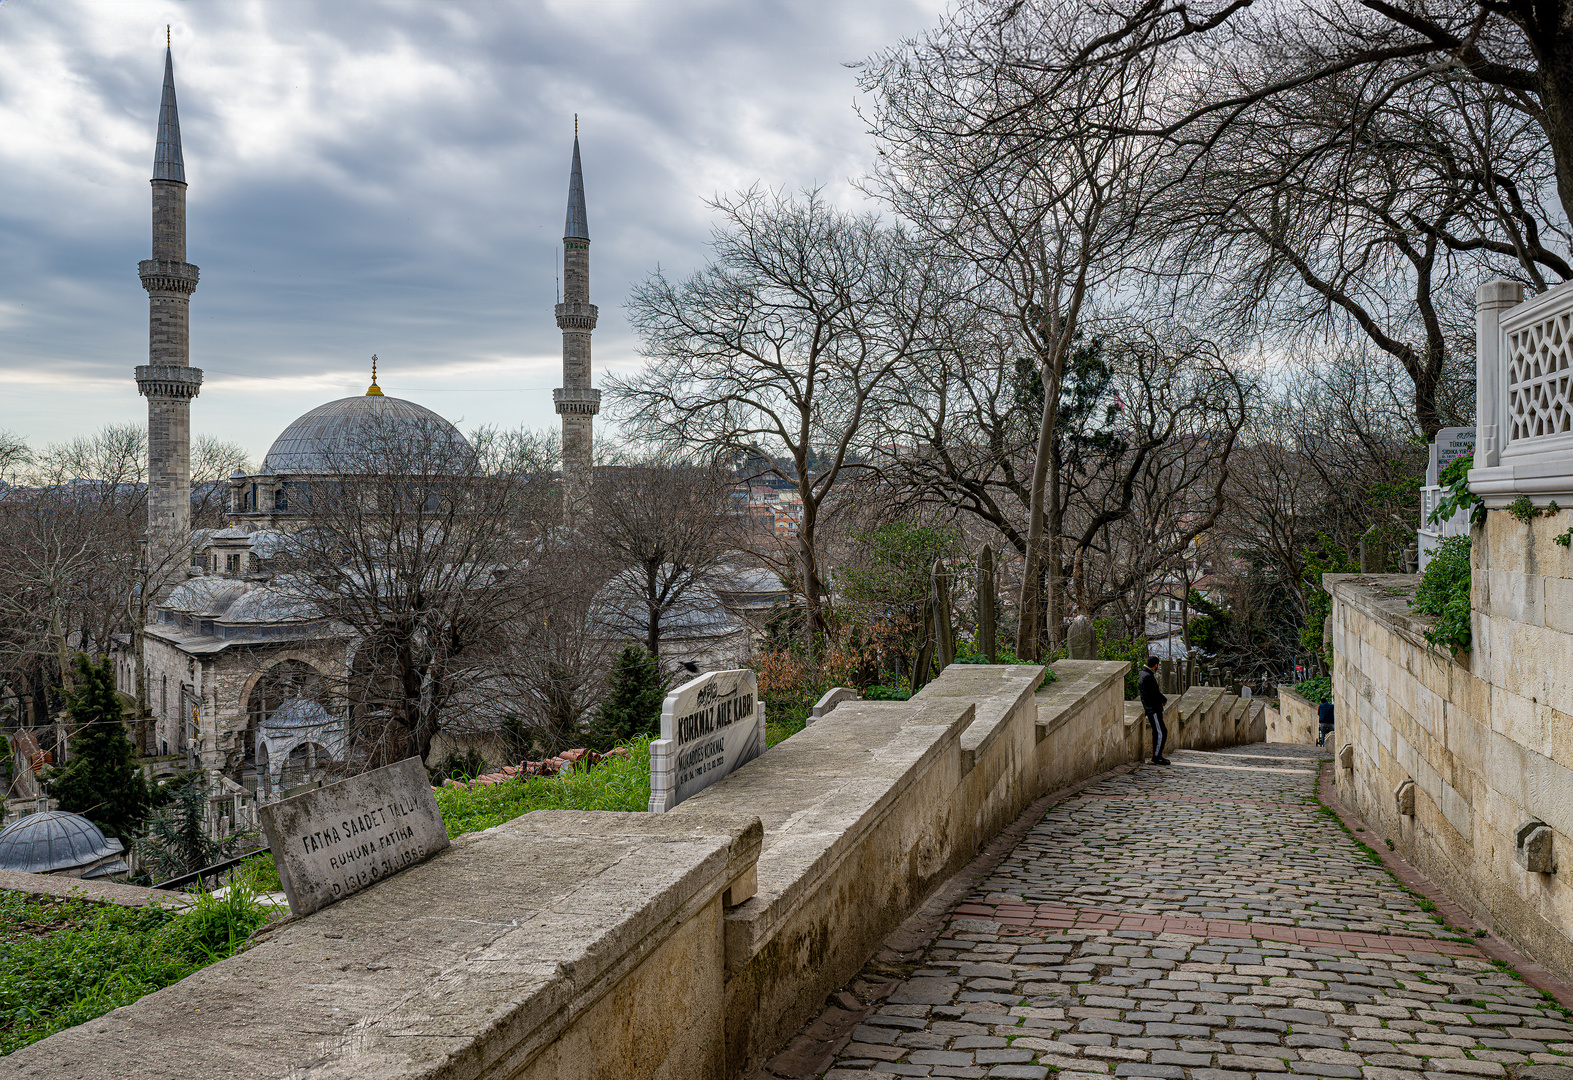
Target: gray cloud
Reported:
[(387, 177)]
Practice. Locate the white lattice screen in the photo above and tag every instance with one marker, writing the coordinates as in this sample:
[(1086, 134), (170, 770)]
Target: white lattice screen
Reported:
[(1540, 378)]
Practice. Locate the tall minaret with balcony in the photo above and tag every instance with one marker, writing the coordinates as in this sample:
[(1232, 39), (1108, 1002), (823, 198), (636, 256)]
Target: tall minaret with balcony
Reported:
[(168, 380), (576, 402)]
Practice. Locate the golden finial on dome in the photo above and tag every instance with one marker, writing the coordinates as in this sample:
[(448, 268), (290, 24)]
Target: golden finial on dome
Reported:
[(374, 390)]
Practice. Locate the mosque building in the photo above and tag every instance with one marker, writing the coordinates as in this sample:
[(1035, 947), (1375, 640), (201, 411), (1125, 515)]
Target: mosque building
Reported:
[(236, 668)]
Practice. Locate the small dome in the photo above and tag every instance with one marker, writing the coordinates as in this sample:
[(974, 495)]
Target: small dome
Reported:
[(329, 438), (206, 597), (52, 841), (276, 602), (298, 713)]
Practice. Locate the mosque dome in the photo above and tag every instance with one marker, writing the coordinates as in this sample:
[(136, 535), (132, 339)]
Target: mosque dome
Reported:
[(329, 438), (53, 841)]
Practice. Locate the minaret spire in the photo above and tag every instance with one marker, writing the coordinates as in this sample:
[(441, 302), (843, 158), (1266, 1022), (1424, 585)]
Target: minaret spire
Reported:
[(168, 380), (167, 161), (577, 226), (577, 402)]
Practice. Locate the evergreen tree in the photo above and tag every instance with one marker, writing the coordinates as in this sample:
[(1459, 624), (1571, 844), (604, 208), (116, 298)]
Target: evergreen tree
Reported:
[(177, 842), (633, 705), (100, 782)]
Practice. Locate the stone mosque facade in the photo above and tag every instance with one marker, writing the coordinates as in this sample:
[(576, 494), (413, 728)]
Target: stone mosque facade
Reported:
[(235, 667)]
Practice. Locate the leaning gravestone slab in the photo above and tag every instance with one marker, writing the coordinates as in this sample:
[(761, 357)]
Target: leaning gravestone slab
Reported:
[(709, 727), (339, 839)]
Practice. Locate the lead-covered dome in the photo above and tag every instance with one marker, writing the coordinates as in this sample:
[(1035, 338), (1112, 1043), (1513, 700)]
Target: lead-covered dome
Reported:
[(53, 841), (344, 436)]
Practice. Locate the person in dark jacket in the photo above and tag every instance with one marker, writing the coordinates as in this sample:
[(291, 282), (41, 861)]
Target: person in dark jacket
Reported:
[(1153, 701), (1324, 721)]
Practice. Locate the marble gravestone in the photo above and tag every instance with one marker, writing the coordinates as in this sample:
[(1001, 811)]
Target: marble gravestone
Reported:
[(709, 727), (339, 839)]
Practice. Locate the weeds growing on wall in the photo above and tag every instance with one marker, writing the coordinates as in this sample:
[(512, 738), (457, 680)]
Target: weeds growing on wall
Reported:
[(64, 962), (1444, 592)]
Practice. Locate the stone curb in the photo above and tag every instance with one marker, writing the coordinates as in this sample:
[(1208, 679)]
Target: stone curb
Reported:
[(1491, 945)]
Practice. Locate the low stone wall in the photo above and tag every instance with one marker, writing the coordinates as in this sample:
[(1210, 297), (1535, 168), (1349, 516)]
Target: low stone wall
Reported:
[(61, 887), (1295, 721), (683, 945), (1485, 739)]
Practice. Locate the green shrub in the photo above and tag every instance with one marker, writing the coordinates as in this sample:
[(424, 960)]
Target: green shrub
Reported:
[(177, 842), (259, 874), (886, 693), (1131, 650), (64, 962), (784, 719), (1314, 690), (1444, 592)]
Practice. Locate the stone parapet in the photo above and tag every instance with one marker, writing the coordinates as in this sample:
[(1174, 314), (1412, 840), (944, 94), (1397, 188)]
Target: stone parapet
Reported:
[(577, 316), (168, 275), (169, 381), (1296, 719), (576, 401), (559, 945), (571, 945), (58, 887)]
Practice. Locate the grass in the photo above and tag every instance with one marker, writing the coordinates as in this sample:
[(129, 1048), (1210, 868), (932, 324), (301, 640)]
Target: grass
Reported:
[(614, 784), (784, 721), (64, 962)]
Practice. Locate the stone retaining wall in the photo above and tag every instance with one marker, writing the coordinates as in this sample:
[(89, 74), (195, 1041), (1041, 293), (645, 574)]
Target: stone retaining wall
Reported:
[(686, 945), (1449, 756)]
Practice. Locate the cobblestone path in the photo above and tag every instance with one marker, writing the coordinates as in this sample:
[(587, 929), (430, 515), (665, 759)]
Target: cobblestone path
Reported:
[(1204, 922)]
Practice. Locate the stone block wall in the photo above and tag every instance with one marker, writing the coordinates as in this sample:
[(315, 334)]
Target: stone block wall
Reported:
[(689, 944), (1295, 721), (1486, 736)]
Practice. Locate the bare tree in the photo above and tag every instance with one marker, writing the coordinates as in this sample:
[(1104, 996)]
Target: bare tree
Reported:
[(1321, 215), (1047, 231), (778, 347), (667, 530)]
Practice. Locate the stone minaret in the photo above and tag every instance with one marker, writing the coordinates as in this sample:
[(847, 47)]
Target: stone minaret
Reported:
[(576, 402), (168, 380)]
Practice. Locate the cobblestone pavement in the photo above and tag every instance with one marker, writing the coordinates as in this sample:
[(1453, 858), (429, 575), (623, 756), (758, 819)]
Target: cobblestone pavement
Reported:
[(1204, 922)]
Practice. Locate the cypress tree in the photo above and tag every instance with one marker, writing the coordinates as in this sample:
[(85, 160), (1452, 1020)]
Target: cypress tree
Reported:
[(100, 782), (633, 703)]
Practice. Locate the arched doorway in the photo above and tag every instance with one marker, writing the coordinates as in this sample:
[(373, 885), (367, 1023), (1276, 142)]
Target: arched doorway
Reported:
[(290, 683)]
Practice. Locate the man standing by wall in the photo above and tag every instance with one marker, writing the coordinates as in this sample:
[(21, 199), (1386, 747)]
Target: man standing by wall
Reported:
[(1153, 701)]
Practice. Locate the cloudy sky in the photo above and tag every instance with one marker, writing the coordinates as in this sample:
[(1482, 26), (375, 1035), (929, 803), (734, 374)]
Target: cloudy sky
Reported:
[(388, 177)]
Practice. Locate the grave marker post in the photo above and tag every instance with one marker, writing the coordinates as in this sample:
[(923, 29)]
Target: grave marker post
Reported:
[(988, 640)]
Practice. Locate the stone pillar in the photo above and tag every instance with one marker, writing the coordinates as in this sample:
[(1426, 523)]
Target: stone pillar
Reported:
[(1491, 301)]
